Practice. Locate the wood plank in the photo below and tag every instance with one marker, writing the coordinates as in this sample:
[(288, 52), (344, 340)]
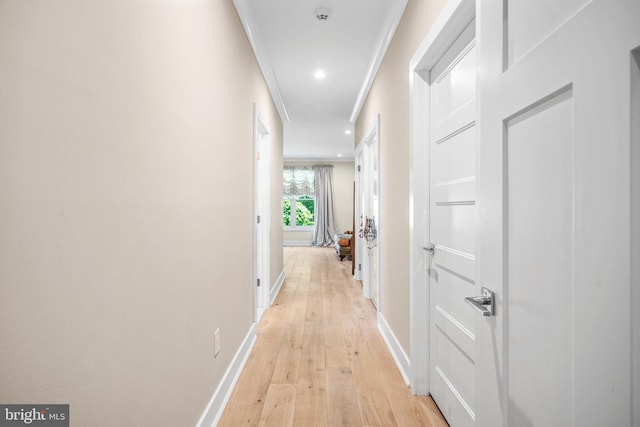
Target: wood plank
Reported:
[(374, 406), (247, 400), (312, 363), (311, 406), (272, 324), (288, 361), (279, 408), (407, 409), (372, 397), (342, 398), (315, 307), (434, 415), (335, 348), (335, 306)]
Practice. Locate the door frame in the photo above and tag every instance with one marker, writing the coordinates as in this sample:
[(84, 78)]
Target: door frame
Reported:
[(358, 166), (453, 19), (635, 232), (261, 206), (372, 137)]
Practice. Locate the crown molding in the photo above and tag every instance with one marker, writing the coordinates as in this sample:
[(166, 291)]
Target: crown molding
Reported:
[(318, 159), (390, 26), (250, 29)]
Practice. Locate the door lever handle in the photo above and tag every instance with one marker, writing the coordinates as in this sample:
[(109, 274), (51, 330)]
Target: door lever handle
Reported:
[(485, 303), (431, 248)]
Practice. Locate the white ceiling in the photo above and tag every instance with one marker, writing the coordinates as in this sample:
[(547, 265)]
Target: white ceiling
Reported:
[(291, 44)]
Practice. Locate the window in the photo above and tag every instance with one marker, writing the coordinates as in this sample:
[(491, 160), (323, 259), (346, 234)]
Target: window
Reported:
[(298, 211), (298, 204)]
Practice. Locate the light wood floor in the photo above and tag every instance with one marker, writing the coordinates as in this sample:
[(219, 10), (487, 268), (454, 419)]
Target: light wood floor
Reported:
[(319, 359)]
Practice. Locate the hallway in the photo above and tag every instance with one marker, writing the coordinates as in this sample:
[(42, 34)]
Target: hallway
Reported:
[(319, 358)]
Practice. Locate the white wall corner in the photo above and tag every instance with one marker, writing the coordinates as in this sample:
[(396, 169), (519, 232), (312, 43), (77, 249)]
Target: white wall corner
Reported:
[(275, 290), (395, 348), (213, 412)]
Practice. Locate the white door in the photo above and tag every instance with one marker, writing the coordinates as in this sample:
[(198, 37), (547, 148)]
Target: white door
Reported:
[(369, 223), (372, 214), (261, 216), (258, 232), (554, 212), (452, 213)]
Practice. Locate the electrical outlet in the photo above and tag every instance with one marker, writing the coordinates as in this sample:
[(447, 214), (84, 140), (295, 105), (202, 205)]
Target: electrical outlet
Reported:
[(216, 342)]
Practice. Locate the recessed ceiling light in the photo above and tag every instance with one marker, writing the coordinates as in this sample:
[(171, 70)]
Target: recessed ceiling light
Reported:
[(319, 75), (339, 155), (347, 132)]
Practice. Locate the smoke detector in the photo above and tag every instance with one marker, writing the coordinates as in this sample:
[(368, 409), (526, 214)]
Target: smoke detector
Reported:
[(322, 13)]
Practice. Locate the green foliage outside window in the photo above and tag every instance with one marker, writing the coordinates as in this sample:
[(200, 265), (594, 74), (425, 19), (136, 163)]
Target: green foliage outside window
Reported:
[(286, 212), (305, 207)]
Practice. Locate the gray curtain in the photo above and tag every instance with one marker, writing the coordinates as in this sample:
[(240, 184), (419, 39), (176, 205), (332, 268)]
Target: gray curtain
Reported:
[(325, 227)]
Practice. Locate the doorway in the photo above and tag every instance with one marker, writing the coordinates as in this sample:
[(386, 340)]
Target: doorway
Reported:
[(443, 214), (368, 195), (359, 214), (261, 282), (452, 226)]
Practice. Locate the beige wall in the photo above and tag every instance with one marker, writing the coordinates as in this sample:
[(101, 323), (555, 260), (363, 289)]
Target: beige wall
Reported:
[(125, 198), (297, 238), (389, 96), (343, 175)]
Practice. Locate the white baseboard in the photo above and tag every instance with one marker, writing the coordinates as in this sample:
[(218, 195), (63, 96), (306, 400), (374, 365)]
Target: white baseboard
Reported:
[(395, 348), (297, 243), (276, 288), (221, 396)]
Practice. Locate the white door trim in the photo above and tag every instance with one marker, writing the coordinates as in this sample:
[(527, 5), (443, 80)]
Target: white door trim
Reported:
[(359, 152), (454, 18), (372, 137), (635, 233), (261, 186)]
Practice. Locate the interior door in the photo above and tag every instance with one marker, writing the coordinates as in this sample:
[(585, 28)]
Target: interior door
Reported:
[(261, 214), (368, 188), (258, 225), (359, 217), (375, 220), (554, 216), (452, 223)]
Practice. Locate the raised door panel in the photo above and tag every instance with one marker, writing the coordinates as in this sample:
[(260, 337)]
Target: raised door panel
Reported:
[(540, 280)]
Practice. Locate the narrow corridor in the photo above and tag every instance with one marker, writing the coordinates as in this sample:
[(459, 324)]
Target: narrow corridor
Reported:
[(319, 359)]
